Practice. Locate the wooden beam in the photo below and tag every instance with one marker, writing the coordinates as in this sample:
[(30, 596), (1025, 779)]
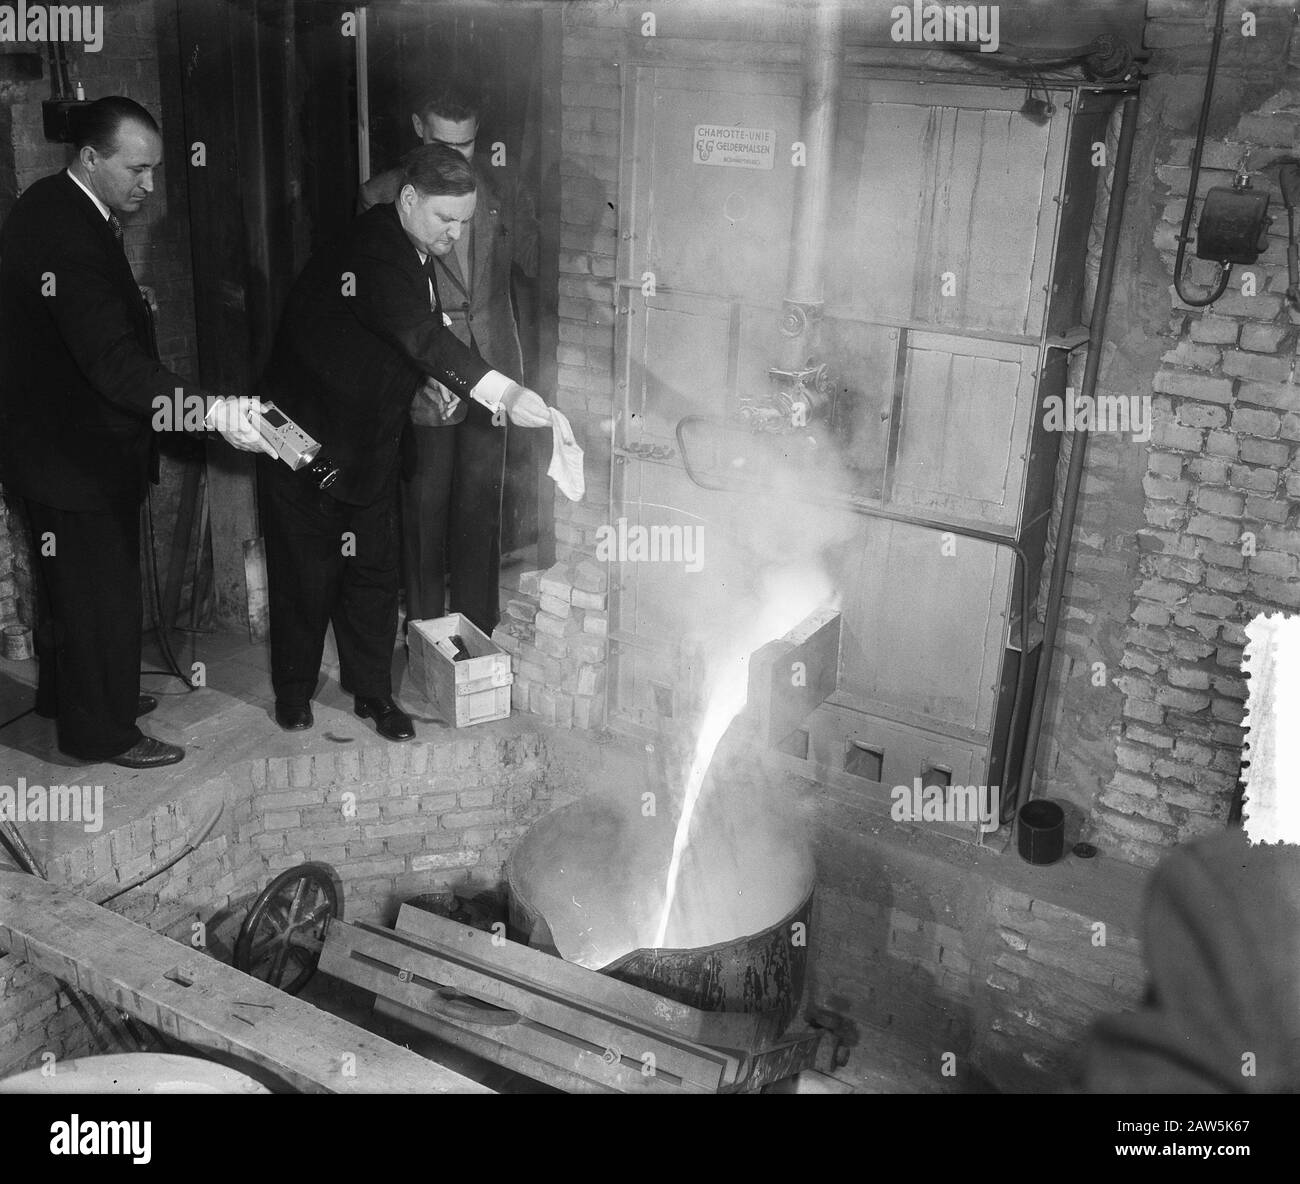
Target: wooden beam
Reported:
[(738, 1031), (552, 1024), (202, 1002)]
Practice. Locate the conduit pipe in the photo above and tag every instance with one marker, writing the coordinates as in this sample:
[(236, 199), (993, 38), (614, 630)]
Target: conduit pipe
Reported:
[(823, 55), (1184, 237), (1074, 475)]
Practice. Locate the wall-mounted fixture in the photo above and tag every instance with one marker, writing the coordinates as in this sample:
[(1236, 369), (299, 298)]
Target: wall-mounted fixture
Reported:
[(797, 399), (1234, 223), (63, 100)]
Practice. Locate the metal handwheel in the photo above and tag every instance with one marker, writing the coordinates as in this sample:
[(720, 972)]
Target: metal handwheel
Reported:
[(282, 937)]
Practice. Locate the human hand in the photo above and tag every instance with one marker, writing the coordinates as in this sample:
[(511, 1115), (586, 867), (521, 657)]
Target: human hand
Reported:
[(444, 400), (237, 419), (525, 407)]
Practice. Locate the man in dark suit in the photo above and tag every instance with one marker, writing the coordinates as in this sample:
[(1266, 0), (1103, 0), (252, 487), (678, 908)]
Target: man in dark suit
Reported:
[(81, 389), (362, 334), (451, 501)]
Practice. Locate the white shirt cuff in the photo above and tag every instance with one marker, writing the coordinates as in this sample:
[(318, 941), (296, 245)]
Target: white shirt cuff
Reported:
[(490, 388)]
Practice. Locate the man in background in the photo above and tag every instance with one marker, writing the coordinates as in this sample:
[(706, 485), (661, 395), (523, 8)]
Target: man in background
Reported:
[(80, 383), (451, 500), (362, 334)]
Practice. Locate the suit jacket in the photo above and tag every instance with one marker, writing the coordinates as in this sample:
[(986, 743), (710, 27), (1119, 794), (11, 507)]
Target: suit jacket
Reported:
[(359, 336), (479, 304), (78, 372)]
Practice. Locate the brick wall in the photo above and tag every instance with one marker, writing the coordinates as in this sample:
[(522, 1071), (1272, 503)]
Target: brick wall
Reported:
[(1218, 539), (557, 625), (966, 951), (420, 817)]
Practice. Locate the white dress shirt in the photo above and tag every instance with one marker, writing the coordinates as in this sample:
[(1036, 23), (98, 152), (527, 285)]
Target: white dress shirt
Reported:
[(99, 205)]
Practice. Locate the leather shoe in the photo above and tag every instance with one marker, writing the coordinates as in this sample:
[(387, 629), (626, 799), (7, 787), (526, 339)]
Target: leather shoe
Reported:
[(148, 753), (293, 717), (392, 722)]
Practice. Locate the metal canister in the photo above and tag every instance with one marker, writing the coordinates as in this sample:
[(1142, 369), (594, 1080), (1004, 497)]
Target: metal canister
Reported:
[(17, 643)]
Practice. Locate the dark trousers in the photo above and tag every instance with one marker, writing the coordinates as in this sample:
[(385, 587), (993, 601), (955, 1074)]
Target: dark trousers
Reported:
[(88, 631), (451, 520), (328, 562)]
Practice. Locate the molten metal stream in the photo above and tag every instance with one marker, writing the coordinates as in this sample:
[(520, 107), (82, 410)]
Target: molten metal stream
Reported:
[(724, 705), (791, 597)]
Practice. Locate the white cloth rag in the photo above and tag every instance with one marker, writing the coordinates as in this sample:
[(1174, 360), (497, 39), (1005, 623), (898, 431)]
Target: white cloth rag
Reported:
[(566, 458)]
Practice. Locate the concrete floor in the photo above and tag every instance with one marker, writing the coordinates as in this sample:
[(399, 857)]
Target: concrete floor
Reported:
[(229, 720)]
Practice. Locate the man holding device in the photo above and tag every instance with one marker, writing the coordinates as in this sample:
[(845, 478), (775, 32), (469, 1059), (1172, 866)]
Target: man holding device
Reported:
[(363, 333), (80, 382)]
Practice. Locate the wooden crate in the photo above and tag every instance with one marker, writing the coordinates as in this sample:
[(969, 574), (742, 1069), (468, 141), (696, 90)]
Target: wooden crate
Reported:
[(471, 691)]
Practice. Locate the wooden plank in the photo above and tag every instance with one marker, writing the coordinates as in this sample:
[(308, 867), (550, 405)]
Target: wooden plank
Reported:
[(491, 1050), (403, 968), (202, 1002), (720, 1030), (546, 1054)]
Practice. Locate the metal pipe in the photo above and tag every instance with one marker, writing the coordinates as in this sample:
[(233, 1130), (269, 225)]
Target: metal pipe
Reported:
[(1074, 475), (195, 842), (1225, 270), (362, 62), (823, 55)]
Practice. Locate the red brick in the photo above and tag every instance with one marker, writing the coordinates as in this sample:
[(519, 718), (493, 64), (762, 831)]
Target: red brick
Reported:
[(1201, 415), (1266, 509), (1180, 700), (1263, 338), (1221, 530), (1283, 395), (1253, 478), (1263, 452), (1222, 444), (1223, 502), (1260, 368), (1255, 423), (1161, 489), (1193, 386), (1209, 328), (1273, 563)]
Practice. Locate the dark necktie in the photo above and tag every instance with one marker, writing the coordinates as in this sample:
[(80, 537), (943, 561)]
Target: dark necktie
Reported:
[(116, 227)]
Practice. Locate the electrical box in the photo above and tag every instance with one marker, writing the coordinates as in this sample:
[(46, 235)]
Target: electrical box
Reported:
[(1233, 226), (54, 118)]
